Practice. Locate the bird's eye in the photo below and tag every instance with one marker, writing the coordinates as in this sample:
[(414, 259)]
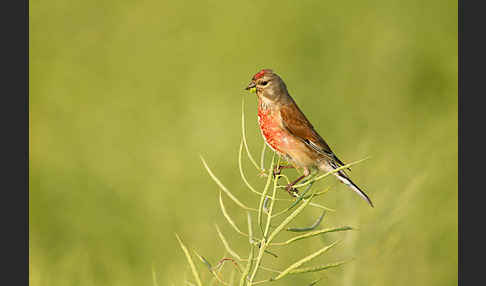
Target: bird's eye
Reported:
[(264, 82)]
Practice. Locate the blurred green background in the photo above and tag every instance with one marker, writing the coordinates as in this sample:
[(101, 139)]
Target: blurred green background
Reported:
[(125, 96)]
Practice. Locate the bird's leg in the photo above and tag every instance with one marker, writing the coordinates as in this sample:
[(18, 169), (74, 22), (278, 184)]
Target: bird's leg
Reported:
[(278, 169), (290, 188)]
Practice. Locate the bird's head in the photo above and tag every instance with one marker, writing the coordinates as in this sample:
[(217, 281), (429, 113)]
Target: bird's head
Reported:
[(268, 84)]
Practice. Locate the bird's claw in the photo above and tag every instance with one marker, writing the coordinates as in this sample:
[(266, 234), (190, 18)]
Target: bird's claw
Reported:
[(291, 190), (276, 172)]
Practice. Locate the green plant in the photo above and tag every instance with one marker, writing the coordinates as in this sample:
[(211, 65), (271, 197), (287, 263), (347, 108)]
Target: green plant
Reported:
[(262, 241)]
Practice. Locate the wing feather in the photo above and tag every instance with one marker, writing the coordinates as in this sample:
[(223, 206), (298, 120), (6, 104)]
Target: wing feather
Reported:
[(298, 125)]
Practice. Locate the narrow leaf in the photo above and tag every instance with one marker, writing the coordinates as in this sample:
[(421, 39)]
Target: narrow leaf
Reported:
[(265, 204), (304, 260), (317, 268), (223, 188), (250, 228), (249, 264), (271, 253), (240, 166), (203, 260), (314, 233), (243, 134), (296, 202), (288, 219), (312, 227), (264, 195), (262, 157), (191, 263), (228, 218), (226, 245), (321, 207)]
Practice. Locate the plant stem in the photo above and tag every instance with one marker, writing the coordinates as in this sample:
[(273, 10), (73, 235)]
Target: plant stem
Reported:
[(263, 244)]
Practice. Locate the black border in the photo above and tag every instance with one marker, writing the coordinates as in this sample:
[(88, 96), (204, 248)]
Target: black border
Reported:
[(14, 118), (471, 121)]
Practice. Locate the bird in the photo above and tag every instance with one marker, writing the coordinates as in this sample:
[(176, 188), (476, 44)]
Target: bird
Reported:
[(288, 132)]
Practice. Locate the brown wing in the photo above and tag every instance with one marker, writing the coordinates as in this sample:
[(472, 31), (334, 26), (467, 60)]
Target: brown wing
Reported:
[(298, 125)]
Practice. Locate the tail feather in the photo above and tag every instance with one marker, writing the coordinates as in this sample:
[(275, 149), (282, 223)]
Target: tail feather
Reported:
[(347, 181)]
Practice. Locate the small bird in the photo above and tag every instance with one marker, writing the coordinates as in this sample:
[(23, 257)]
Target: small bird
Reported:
[(287, 131)]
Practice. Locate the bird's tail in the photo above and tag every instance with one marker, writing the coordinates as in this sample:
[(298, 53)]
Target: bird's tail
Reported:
[(347, 181)]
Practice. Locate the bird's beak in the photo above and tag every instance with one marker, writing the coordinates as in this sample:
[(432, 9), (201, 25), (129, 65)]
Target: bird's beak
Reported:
[(250, 86)]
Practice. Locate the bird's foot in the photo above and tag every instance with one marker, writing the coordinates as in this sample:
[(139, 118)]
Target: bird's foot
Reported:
[(276, 171), (291, 190)]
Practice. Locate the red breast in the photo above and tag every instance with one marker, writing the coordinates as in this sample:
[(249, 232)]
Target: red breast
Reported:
[(270, 127)]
